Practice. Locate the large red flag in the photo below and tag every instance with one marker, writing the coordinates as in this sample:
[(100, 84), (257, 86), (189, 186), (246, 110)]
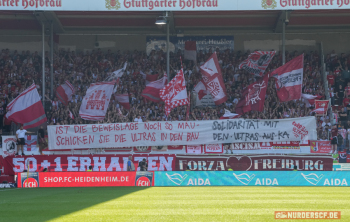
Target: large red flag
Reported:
[(64, 92), (27, 109), (289, 79), (174, 94), (257, 62), (151, 92), (253, 96), (212, 79)]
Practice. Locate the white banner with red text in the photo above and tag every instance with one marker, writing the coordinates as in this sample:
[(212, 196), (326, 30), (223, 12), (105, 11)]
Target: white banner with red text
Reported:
[(169, 5), (181, 133)]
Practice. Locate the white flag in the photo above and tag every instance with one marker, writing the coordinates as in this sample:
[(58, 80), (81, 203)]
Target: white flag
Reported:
[(96, 101)]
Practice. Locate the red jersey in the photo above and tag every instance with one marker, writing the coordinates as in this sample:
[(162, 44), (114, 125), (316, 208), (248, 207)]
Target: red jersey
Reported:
[(330, 79)]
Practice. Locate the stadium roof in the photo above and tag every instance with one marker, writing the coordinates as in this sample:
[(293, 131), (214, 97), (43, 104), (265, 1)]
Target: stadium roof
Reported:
[(203, 23)]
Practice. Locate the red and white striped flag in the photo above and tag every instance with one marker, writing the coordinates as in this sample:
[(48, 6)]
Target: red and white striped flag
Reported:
[(289, 79), (212, 79), (64, 93), (151, 92), (174, 94), (123, 100), (27, 109), (71, 115), (190, 50), (96, 101)]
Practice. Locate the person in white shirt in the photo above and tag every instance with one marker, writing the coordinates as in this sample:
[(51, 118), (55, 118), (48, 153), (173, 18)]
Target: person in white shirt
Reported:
[(138, 119), (20, 134)]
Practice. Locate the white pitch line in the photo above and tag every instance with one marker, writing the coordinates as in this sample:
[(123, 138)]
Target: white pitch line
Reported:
[(10, 189)]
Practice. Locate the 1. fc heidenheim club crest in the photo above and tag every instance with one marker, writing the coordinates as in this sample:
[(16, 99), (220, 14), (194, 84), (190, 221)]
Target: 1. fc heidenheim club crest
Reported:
[(268, 4), (112, 4)]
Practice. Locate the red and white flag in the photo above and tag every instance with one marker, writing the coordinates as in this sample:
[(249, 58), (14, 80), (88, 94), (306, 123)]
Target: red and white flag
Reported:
[(253, 96), (190, 50), (309, 99), (289, 79), (123, 100), (64, 93), (257, 62), (229, 115), (71, 114), (117, 74), (321, 106), (96, 101), (201, 90), (149, 78), (174, 94), (212, 79), (30, 143), (27, 109), (194, 149), (151, 92)]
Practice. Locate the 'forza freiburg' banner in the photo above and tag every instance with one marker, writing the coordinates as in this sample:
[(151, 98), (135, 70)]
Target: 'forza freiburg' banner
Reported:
[(181, 133)]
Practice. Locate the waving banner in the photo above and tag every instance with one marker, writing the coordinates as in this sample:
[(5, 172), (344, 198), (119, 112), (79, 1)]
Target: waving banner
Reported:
[(180, 133), (257, 62)]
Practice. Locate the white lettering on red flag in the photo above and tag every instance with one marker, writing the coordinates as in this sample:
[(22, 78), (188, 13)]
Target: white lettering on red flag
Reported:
[(289, 79), (96, 101), (27, 109), (257, 62), (321, 106), (253, 96), (212, 79)]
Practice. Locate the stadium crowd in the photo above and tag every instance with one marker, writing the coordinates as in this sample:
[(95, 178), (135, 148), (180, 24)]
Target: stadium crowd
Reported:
[(19, 70)]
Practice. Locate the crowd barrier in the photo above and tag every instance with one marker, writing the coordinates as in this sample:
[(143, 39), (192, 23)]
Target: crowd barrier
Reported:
[(182, 178)]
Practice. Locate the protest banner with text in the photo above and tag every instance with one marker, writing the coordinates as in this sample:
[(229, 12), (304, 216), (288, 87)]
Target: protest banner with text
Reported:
[(180, 133)]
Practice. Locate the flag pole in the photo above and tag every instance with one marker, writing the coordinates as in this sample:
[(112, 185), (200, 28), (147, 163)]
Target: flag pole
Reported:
[(27, 173)]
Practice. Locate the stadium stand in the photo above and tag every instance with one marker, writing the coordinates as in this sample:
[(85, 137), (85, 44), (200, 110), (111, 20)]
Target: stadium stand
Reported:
[(19, 69)]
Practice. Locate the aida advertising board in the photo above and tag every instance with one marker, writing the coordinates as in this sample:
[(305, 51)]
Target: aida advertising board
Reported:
[(85, 179), (243, 178)]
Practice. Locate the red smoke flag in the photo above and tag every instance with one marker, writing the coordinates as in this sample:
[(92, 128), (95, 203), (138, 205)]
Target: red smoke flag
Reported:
[(151, 92), (71, 114), (212, 79), (96, 101), (257, 62), (174, 94), (190, 50), (123, 100), (253, 96), (64, 93), (27, 109), (289, 79)]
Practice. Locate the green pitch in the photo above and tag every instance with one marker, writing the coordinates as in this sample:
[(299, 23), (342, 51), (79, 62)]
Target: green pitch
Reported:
[(168, 204)]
